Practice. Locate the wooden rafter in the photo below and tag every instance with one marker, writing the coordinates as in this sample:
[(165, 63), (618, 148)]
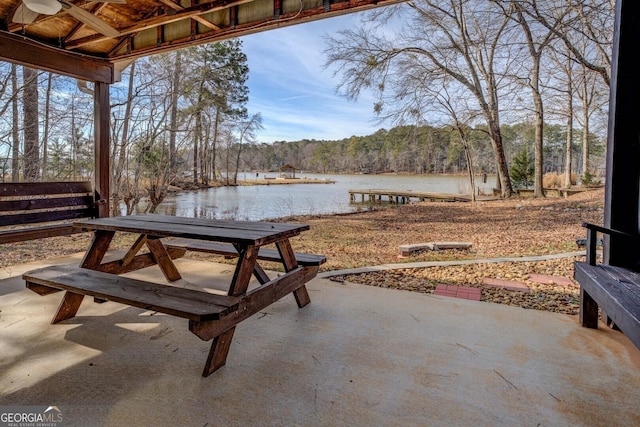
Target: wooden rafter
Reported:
[(186, 13), (165, 25), (174, 6), (242, 28), (94, 9)]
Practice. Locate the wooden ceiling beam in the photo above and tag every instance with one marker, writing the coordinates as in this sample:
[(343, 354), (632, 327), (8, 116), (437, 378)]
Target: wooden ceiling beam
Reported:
[(19, 50), (186, 13)]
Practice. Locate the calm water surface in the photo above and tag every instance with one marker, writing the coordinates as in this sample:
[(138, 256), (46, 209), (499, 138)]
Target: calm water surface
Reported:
[(272, 201)]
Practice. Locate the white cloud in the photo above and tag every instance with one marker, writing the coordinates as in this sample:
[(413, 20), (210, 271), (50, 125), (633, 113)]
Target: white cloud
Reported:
[(294, 93)]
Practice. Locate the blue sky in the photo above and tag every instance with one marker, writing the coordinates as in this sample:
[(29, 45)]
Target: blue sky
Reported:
[(294, 93)]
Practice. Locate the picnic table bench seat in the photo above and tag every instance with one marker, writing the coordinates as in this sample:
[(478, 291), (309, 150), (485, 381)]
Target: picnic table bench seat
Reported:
[(616, 290), (187, 303), (229, 251)]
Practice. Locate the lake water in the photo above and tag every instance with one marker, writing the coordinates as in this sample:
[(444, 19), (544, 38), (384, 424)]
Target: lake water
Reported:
[(261, 202)]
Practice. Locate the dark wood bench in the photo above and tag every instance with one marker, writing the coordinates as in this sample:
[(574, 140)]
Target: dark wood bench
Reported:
[(28, 210), (187, 303), (615, 290), (229, 251), (210, 315)]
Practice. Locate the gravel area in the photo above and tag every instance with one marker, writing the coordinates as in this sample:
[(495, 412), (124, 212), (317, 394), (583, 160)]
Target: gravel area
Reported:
[(549, 297)]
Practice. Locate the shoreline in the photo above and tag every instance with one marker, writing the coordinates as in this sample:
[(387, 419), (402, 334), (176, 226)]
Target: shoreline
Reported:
[(283, 181)]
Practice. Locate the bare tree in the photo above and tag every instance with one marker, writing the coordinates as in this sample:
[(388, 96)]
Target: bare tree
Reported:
[(460, 39), (15, 130), (47, 124), (569, 145), (31, 125), (537, 41), (246, 136), (461, 127), (118, 180), (173, 120), (583, 20)]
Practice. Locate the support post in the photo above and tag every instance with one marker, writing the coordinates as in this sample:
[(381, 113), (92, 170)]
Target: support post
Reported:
[(102, 173), (622, 192)]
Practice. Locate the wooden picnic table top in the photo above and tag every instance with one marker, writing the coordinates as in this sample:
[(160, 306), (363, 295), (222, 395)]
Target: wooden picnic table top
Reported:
[(255, 233)]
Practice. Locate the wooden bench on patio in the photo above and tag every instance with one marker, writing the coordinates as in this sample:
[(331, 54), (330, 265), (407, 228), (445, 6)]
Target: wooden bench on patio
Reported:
[(229, 251), (615, 289), (43, 209), (194, 305)]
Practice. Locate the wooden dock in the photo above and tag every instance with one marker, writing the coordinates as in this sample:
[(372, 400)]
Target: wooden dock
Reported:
[(406, 196)]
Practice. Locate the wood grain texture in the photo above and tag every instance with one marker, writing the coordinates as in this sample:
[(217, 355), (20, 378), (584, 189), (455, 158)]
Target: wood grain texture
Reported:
[(227, 249), (255, 300), (617, 291), (163, 259), (187, 303), (32, 203), (242, 232)]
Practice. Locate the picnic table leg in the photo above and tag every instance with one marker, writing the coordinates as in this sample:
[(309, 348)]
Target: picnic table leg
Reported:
[(260, 274), (68, 307), (163, 259), (258, 271), (289, 261), (134, 249), (239, 284), (98, 248), (95, 254), (218, 353)]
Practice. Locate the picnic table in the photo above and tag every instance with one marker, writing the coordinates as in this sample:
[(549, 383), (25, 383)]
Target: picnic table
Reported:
[(211, 316)]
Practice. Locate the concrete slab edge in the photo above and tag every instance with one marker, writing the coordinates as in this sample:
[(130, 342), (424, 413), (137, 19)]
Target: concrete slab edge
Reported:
[(425, 264)]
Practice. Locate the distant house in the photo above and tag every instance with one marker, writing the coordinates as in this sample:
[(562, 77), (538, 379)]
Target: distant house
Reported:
[(288, 171)]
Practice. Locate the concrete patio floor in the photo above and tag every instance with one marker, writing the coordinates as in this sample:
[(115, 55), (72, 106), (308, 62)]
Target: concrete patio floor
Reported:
[(356, 356)]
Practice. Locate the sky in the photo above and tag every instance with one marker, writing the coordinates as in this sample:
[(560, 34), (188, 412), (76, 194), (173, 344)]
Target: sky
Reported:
[(295, 95)]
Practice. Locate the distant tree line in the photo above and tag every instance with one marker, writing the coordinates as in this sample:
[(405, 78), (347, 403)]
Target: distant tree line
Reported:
[(420, 150)]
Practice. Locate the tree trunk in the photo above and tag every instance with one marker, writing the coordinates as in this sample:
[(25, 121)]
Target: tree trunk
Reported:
[(31, 128), (567, 166), (538, 190), (117, 181), (214, 143), (45, 137), (204, 148), (15, 131), (502, 169), (204, 178), (198, 134), (175, 92), (585, 124), (467, 154)]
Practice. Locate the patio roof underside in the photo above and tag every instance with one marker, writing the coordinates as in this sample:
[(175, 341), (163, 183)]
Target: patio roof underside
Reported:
[(143, 27)]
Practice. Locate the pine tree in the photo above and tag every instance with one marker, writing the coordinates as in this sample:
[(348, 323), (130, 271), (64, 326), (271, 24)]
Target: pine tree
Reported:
[(522, 170)]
